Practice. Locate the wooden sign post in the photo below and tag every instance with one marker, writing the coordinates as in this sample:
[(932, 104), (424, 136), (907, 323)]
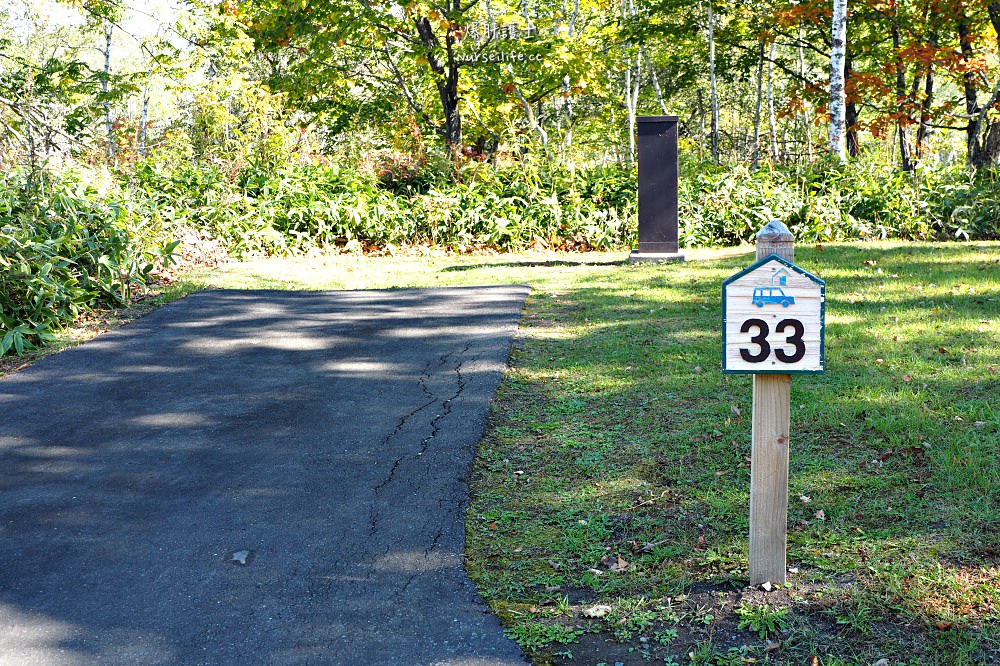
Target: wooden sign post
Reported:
[(773, 327)]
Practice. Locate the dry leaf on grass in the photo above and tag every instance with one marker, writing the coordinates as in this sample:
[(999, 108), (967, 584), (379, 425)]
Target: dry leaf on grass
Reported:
[(597, 611)]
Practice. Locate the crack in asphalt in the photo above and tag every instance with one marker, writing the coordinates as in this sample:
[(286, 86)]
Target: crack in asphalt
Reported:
[(446, 409)]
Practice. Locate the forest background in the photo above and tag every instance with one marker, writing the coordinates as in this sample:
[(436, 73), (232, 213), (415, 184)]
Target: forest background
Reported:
[(138, 137)]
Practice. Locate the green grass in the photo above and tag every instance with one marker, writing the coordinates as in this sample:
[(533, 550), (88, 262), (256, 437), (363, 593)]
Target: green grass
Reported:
[(614, 471)]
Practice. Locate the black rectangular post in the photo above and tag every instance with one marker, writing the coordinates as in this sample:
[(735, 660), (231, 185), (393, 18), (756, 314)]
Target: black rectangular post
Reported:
[(657, 148)]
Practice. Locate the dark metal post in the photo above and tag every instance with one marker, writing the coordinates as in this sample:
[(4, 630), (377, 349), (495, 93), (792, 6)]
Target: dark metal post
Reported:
[(657, 147)]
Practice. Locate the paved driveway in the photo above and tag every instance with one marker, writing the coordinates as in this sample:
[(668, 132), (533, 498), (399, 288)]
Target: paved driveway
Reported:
[(254, 478)]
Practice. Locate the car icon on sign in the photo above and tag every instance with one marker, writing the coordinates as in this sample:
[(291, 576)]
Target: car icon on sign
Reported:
[(762, 295)]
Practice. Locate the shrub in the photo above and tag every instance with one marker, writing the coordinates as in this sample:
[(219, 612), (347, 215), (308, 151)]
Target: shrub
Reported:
[(64, 247)]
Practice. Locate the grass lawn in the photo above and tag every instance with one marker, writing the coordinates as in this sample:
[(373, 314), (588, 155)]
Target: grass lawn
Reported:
[(609, 516)]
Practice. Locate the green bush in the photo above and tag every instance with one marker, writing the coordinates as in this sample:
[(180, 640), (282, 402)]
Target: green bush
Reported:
[(298, 208), (64, 247), (830, 202), (534, 203)]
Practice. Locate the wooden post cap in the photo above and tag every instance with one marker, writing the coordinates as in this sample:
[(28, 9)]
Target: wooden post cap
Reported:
[(777, 230)]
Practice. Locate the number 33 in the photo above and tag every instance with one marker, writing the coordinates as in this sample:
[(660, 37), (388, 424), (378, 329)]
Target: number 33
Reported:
[(760, 339)]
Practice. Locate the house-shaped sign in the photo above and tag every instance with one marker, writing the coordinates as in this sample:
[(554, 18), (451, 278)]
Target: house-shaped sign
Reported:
[(773, 319)]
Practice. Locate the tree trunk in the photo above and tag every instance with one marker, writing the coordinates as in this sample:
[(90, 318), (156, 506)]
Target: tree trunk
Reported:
[(715, 92), (925, 110), (771, 121), (850, 109), (756, 115), (632, 102), (838, 54), (805, 108), (108, 30), (901, 122), (567, 89), (656, 83), (143, 120), (986, 143), (701, 122), (447, 83), (971, 95)]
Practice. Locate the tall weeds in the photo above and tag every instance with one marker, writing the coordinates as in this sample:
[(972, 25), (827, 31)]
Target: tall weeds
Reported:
[(66, 246)]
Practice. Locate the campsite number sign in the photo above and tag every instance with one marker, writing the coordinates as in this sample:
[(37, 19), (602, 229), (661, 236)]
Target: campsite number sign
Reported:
[(773, 319)]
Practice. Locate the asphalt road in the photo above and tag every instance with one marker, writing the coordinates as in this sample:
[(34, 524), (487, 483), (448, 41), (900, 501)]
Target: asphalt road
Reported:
[(254, 478)]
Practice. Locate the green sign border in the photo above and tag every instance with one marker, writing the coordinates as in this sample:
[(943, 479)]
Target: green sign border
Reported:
[(822, 319)]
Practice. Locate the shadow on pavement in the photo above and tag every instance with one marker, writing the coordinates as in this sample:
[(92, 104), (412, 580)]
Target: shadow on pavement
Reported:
[(254, 477)]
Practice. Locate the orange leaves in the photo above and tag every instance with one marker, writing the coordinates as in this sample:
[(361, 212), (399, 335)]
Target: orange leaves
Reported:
[(803, 12)]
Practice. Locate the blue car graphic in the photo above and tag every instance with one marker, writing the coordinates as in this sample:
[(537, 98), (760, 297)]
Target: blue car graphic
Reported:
[(762, 295)]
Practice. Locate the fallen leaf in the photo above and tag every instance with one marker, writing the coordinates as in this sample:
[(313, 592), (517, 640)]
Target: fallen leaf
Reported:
[(771, 647), (697, 368), (942, 350), (813, 661), (942, 625), (907, 378), (820, 515), (881, 662), (736, 410), (597, 611), (493, 526), (614, 563), (805, 499), (554, 565), (767, 586)]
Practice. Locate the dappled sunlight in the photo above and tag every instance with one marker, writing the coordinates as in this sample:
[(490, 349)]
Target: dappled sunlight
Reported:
[(151, 369), (210, 346), (174, 419), (38, 639), (415, 561), (279, 477), (361, 368)]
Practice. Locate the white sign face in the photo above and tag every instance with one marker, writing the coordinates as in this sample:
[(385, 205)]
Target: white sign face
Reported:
[(773, 319)]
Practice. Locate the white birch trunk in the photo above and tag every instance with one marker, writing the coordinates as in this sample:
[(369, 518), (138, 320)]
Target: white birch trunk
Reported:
[(756, 117), (772, 124), (837, 98), (656, 82), (632, 102), (104, 89), (567, 88), (143, 120)]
